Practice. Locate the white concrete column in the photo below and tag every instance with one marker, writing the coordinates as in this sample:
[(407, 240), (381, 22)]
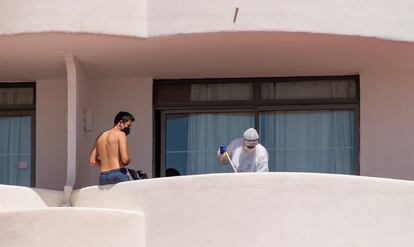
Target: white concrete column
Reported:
[(70, 61)]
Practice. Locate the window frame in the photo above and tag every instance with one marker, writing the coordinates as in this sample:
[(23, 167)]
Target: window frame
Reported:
[(256, 105), (24, 110)]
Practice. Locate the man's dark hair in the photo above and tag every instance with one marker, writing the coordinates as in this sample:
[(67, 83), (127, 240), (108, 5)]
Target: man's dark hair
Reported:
[(170, 172), (124, 117)]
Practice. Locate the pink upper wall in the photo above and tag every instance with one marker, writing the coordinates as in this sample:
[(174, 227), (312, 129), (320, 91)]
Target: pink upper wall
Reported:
[(51, 138), (386, 124), (109, 96)]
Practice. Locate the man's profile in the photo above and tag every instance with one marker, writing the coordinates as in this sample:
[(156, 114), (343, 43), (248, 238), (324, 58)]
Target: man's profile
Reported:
[(110, 151)]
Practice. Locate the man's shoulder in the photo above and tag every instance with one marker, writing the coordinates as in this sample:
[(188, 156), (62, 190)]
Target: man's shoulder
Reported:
[(261, 149), (117, 135), (260, 146), (111, 134)]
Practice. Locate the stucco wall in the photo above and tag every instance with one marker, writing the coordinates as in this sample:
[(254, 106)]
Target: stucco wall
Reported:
[(83, 138), (266, 209), (387, 120), (385, 18), (270, 209), (93, 16), (51, 139), (79, 227), (17, 197), (149, 18), (109, 96), (104, 97)]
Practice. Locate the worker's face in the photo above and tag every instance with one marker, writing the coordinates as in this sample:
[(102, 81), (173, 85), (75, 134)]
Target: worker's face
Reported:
[(250, 145)]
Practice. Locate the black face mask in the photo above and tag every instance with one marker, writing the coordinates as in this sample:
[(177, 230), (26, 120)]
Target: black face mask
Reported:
[(126, 130)]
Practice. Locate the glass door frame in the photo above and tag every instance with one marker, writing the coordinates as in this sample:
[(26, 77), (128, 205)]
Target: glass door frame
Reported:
[(256, 110)]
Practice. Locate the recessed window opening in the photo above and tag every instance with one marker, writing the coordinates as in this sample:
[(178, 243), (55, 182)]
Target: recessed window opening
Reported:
[(307, 124)]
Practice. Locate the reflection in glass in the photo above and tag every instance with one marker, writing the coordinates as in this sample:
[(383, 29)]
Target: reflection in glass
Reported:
[(323, 89), (309, 141), (192, 139), (221, 91), (16, 96)]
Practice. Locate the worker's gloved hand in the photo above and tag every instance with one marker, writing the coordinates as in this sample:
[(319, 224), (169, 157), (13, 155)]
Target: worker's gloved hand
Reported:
[(223, 148)]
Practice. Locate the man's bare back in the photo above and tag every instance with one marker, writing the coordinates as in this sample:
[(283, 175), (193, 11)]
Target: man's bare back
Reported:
[(110, 150), (107, 146)]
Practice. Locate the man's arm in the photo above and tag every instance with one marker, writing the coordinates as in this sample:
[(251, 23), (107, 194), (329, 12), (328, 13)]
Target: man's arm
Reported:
[(123, 149), (263, 165), (93, 158)]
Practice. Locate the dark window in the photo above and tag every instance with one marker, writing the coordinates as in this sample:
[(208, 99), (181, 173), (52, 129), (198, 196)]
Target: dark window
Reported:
[(307, 124), (17, 133)]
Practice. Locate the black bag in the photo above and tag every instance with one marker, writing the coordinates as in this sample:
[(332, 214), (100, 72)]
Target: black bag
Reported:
[(137, 175), (141, 174)]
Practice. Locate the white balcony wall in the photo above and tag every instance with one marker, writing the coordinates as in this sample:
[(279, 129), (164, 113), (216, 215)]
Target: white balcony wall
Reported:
[(384, 18), (127, 17), (71, 227), (268, 209), (148, 18), (18, 197)]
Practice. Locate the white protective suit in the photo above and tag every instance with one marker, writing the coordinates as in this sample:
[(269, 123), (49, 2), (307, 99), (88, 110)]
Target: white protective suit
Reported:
[(255, 160)]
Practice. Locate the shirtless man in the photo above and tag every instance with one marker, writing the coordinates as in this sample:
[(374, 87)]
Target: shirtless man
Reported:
[(110, 150)]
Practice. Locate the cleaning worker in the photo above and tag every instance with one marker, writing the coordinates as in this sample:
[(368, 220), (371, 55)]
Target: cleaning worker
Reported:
[(245, 154)]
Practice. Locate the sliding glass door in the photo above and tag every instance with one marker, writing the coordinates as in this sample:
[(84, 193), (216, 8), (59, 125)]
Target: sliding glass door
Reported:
[(310, 141), (192, 139), (16, 132)]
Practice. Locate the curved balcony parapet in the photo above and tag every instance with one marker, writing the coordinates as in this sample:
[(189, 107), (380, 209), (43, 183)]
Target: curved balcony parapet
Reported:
[(286, 209), (126, 17), (384, 19), (18, 197), (82, 227)]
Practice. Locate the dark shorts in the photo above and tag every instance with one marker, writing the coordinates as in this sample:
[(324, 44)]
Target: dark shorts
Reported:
[(113, 176)]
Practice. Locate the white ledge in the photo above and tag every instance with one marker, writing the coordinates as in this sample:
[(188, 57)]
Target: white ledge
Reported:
[(151, 18)]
